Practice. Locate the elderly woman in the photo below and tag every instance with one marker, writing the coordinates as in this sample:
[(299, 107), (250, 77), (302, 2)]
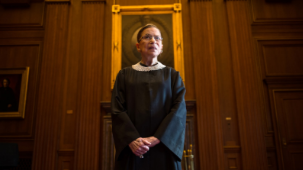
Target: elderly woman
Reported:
[(148, 110)]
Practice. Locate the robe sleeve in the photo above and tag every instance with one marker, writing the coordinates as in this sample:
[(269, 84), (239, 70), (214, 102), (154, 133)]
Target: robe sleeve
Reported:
[(124, 131), (171, 131)]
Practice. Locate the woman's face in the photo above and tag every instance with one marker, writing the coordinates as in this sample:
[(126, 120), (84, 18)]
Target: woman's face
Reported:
[(5, 83), (150, 48)]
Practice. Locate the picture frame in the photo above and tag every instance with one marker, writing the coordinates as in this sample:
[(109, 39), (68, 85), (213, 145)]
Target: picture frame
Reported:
[(13, 92), (126, 22)]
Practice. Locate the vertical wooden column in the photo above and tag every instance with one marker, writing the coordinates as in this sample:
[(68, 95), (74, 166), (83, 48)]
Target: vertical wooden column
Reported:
[(247, 85), (87, 149), (210, 140), (51, 86)]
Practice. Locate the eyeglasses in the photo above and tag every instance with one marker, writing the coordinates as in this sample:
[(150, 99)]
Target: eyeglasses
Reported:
[(148, 37)]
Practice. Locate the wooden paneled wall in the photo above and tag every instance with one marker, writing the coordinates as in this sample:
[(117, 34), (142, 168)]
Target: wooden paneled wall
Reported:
[(206, 85), (230, 47)]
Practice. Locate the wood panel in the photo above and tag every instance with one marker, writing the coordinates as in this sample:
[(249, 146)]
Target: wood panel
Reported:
[(147, 2), (69, 107), (276, 12), (15, 17), (226, 94), (233, 161), (106, 92), (221, 66), (188, 60), (51, 86), (209, 128), (277, 85), (271, 31), (108, 149), (272, 160), (248, 86), (89, 86), (21, 54), (281, 57), (289, 119), (65, 160)]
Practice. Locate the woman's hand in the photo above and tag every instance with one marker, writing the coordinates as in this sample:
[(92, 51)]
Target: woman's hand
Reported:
[(139, 146), (153, 140)]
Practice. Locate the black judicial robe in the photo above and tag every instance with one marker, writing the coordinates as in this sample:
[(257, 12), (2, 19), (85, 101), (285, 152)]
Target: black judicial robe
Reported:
[(148, 104)]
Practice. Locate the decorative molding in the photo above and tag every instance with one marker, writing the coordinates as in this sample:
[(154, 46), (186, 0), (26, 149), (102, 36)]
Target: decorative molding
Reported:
[(116, 9), (273, 11), (177, 7), (117, 44), (278, 98), (65, 159), (33, 63), (198, 0), (93, 1), (66, 152), (280, 57), (108, 149), (232, 149), (57, 1), (284, 80), (263, 30), (34, 25), (278, 1), (106, 106), (15, 3)]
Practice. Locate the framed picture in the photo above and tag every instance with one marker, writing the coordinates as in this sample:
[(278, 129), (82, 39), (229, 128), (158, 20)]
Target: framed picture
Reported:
[(13, 92), (127, 21)]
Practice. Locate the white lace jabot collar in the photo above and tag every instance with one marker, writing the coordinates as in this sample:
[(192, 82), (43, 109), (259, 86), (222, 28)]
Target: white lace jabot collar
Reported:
[(139, 67)]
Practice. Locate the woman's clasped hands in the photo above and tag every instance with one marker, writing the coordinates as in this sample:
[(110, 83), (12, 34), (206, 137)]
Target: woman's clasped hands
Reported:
[(141, 145)]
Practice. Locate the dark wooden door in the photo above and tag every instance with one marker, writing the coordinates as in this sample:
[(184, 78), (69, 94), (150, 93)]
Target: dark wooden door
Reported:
[(289, 116)]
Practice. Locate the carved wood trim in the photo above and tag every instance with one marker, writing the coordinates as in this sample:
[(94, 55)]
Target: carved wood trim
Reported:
[(65, 159), (118, 11), (94, 1), (67, 152), (232, 149), (198, 0), (108, 149), (32, 86), (57, 1), (284, 80), (15, 3), (275, 1), (27, 26), (266, 15)]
